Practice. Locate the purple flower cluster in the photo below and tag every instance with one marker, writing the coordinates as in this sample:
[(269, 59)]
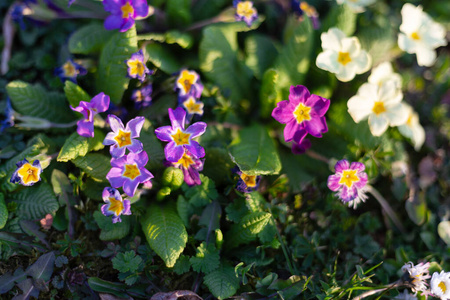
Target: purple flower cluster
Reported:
[(190, 90), (69, 71), (124, 13), (98, 104), (137, 69)]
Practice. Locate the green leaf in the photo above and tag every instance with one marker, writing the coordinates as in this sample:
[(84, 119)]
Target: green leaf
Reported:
[(184, 210), (94, 164), (78, 146), (261, 53), (342, 17), (89, 39), (222, 282), (103, 286), (206, 259), (152, 146), (219, 61), (377, 40), (7, 281), (182, 265), (3, 211), (255, 202), (178, 12), (293, 61), (43, 267), (268, 95), (184, 40), (112, 70), (112, 231), (417, 209), (35, 101), (162, 58), (217, 164), (295, 171), (247, 229), (35, 202), (236, 210), (75, 94), (444, 231), (254, 151), (165, 232), (201, 195), (127, 262)]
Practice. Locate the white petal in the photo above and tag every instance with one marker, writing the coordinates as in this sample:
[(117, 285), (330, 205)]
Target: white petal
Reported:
[(369, 91), (331, 40), (406, 44), (389, 93), (425, 56), (359, 108), (384, 72), (377, 124), (411, 18), (346, 73), (396, 114), (434, 35), (351, 45), (362, 62), (327, 60), (418, 136)]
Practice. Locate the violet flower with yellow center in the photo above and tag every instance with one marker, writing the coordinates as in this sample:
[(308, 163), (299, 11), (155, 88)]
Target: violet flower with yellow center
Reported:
[(188, 84), (128, 171), (98, 104), (136, 66), (246, 183), (245, 12), (124, 137), (27, 173), (124, 13), (302, 8), (180, 139), (303, 113), (349, 181), (192, 106), (69, 71), (191, 166), (142, 97), (114, 206)]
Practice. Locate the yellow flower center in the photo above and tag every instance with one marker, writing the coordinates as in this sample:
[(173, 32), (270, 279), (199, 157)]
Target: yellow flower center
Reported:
[(344, 58), (181, 138), (186, 80), (245, 9), (193, 107), (250, 180), (116, 206), (308, 9), (136, 67), (69, 69), (185, 161), (28, 173), (302, 113), (378, 108), (139, 96), (127, 10), (131, 171), (442, 286), (348, 177), (123, 138), (415, 36)]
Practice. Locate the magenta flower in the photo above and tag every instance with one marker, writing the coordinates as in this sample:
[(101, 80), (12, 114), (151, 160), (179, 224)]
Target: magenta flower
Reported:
[(114, 206), (303, 113), (349, 181), (123, 13), (245, 11), (128, 171), (136, 66), (98, 104), (123, 137), (191, 166), (302, 147), (179, 138)]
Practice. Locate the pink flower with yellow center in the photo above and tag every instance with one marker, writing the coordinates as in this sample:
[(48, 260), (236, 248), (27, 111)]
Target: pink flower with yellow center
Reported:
[(27, 173), (123, 138), (349, 181), (128, 171), (191, 166), (114, 206)]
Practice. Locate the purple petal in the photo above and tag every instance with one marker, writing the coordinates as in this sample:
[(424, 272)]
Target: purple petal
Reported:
[(140, 158), (126, 207), (341, 166), (118, 162), (316, 126), (85, 128), (145, 175), (360, 167), (130, 186), (177, 117), (196, 129), (362, 180), (192, 177), (105, 210), (348, 194), (135, 126), (164, 133), (291, 128), (82, 108), (116, 219), (112, 6), (117, 152), (195, 149), (333, 182), (113, 22), (136, 146), (115, 123), (173, 152), (109, 139), (115, 177), (106, 194), (300, 148), (283, 113), (298, 94), (100, 102), (318, 104), (140, 8), (128, 23)]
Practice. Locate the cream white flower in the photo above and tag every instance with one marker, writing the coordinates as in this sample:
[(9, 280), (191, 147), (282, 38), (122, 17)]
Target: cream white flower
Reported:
[(420, 34), (418, 274), (381, 104), (342, 55), (357, 6), (412, 128), (440, 285), (384, 72)]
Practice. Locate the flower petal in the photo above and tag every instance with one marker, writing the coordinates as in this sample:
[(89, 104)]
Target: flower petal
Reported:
[(291, 128), (341, 166), (172, 152), (85, 128), (328, 60), (316, 126), (195, 149), (100, 102), (135, 126), (177, 117), (378, 124), (331, 40), (136, 146), (115, 123), (130, 186), (318, 104), (283, 113), (333, 182), (115, 177), (196, 129), (117, 152), (298, 94)]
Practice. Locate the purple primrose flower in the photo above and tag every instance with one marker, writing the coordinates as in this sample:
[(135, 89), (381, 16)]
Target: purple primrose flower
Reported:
[(349, 181), (303, 113), (179, 138), (123, 137), (27, 174), (302, 7), (98, 104), (188, 84), (142, 97), (136, 66), (124, 12), (69, 71), (246, 183), (301, 148), (128, 171), (245, 11), (191, 166), (8, 120), (192, 106), (114, 206)]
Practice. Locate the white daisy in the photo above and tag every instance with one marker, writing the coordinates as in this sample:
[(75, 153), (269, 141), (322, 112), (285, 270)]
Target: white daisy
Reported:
[(384, 72), (440, 285), (381, 104), (342, 55), (420, 34), (418, 274), (412, 128), (357, 6)]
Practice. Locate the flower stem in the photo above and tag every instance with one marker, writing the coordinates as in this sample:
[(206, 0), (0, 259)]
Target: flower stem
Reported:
[(396, 284)]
